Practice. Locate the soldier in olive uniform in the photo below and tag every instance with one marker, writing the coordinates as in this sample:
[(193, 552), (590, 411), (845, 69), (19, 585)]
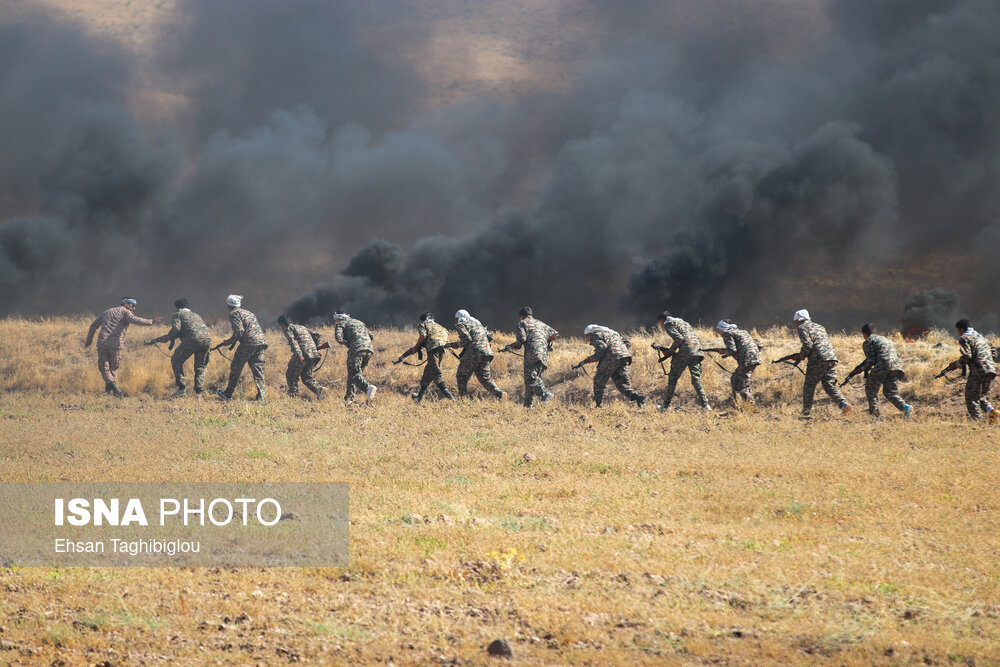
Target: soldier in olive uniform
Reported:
[(742, 347), (978, 356), (476, 355), (249, 335), (304, 358), (190, 329), (354, 335), (822, 368), (613, 359), (535, 337), (433, 338), (685, 354), (883, 371)]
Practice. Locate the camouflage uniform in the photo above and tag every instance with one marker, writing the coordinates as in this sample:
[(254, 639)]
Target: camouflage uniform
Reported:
[(744, 349), (246, 332), (687, 354), (613, 362), (113, 323), (533, 335), (977, 353), (435, 339), (884, 372), (475, 358), (355, 335), (195, 340), (822, 368), (301, 342)]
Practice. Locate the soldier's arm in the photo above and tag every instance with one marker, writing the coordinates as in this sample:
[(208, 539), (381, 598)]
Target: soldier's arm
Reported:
[(141, 321), (416, 346), (292, 342), (94, 326), (338, 335), (965, 348), (237, 325), (522, 335), (553, 334), (730, 344), (464, 339), (807, 344)]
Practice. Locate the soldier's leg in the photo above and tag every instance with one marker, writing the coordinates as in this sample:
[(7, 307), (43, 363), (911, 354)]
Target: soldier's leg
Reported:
[(695, 368), (623, 380), (177, 361), (201, 356), (746, 391), (240, 358), (104, 365), (740, 383), (677, 365), (355, 364), (829, 381), (872, 384), (485, 376), (359, 380), (984, 401), (533, 385), (973, 391), (603, 372), (256, 363), (292, 373), (307, 375), (890, 389), (814, 371), (466, 367)]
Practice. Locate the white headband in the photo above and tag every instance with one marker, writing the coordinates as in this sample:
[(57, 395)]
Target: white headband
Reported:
[(801, 315), (234, 300), (725, 326), (463, 315), (132, 301), (594, 328), (340, 316)]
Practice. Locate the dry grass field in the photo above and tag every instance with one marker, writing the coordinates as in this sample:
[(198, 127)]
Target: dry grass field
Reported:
[(579, 535)]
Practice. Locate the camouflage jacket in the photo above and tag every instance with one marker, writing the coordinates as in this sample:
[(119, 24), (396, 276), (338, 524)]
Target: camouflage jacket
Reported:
[(113, 324), (686, 341), (475, 339), (246, 330), (534, 336), (301, 341), (354, 334), (609, 345), (188, 327), (742, 347), (976, 351), (880, 354), (816, 345), (434, 334)]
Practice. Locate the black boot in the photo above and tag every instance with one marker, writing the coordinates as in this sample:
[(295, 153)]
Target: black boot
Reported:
[(640, 400), (107, 387), (445, 392), (115, 391), (418, 395)]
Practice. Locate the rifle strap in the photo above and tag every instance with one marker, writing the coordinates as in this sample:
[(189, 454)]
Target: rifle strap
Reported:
[(160, 350), (219, 350), (321, 361), (720, 365)]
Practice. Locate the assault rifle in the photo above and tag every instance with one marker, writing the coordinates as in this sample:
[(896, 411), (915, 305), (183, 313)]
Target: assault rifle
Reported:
[(665, 353), (793, 359), (717, 350), (862, 367), (953, 366)]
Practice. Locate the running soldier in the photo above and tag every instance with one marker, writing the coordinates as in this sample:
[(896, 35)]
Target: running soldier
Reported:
[(742, 347), (685, 354), (822, 367), (304, 358), (882, 371), (246, 332), (613, 361), (433, 338), (113, 323), (476, 355), (195, 341), (978, 356), (354, 335), (536, 338)]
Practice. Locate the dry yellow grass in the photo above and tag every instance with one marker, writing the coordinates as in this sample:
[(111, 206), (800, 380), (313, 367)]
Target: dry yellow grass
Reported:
[(628, 537)]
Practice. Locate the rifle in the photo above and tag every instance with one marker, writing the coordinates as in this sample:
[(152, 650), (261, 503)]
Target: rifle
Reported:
[(787, 359), (718, 350), (666, 353), (510, 350), (953, 366), (580, 367), (862, 367), (402, 357)]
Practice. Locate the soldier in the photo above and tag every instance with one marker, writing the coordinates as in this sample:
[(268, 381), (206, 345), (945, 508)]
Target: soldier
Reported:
[(476, 355), (611, 352), (304, 358), (358, 339), (246, 332), (190, 329), (978, 356), (433, 338), (685, 353), (882, 371), (113, 324), (822, 368), (742, 347), (536, 338)]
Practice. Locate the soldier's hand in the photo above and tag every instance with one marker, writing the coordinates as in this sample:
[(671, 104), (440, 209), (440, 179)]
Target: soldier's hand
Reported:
[(157, 320)]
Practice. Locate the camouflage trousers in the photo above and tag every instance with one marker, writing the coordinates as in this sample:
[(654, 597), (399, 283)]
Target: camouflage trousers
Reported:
[(252, 355), (184, 352), (977, 389), (356, 364), (432, 369), (478, 365), (616, 370), (533, 384), (740, 382), (817, 372), (109, 359), (301, 370), (888, 382), (678, 364)]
